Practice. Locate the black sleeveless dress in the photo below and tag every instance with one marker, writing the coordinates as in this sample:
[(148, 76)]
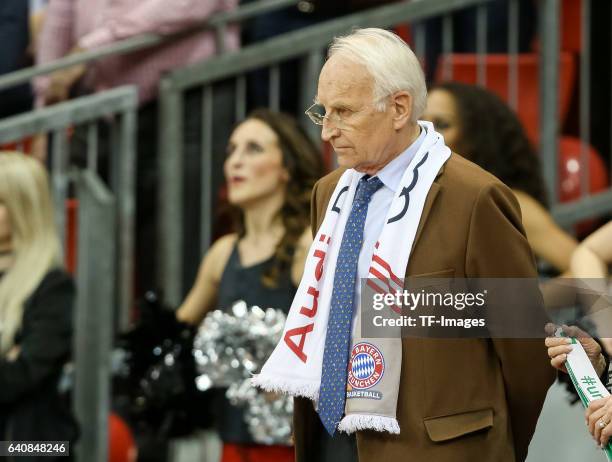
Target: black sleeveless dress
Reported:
[(244, 283)]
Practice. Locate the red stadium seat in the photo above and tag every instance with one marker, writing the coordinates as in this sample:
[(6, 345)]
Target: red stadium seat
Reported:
[(24, 146), (570, 173), (121, 444), (571, 168), (404, 31), (465, 69), (70, 255), (571, 12), (569, 29)]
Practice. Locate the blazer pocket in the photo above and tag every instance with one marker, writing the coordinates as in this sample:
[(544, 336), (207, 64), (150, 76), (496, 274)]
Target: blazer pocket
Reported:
[(432, 279), (445, 273), (448, 427)]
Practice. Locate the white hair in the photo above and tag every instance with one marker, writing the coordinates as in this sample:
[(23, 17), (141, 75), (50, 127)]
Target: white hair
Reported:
[(389, 60)]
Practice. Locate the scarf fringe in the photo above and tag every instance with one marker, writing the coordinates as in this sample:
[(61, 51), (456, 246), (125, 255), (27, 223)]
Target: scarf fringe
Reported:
[(287, 386), (354, 422)]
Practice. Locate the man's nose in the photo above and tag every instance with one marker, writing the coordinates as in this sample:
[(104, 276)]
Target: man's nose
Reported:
[(329, 130)]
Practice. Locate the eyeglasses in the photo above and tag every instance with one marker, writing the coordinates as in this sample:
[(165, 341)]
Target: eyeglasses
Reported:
[(316, 113), (340, 119)]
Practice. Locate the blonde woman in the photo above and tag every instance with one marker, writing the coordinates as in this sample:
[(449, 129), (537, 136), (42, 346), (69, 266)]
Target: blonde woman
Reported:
[(36, 301)]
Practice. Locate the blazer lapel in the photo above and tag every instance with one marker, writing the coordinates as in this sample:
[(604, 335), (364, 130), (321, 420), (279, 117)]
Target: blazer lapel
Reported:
[(429, 201), (431, 197)]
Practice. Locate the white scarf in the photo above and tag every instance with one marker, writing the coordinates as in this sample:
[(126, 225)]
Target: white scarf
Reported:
[(374, 364)]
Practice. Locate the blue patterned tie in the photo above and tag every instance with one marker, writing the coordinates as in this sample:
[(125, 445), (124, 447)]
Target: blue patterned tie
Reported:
[(332, 393)]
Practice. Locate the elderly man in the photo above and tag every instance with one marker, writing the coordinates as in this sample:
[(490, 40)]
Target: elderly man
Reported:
[(401, 204)]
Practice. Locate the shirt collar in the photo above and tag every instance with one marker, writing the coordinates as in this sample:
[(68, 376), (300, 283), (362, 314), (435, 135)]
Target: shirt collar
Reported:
[(391, 174)]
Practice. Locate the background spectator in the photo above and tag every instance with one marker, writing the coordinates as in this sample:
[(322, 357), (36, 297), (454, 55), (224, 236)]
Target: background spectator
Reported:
[(481, 127), (36, 302)]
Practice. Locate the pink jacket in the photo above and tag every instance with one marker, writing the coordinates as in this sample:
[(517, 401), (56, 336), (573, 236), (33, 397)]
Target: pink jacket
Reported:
[(94, 23)]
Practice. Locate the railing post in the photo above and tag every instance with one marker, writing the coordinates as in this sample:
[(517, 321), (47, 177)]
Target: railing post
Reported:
[(94, 316), (311, 67), (513, 50), (240, 98), (549, 93), (59, 181), (585, 97), (206, 170), (481, 44), (170, 192), (220, 32), (127, 211)]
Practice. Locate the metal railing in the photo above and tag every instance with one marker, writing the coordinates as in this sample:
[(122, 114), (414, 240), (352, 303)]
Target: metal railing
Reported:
[(120, 104), (590, 205), (218, 22)]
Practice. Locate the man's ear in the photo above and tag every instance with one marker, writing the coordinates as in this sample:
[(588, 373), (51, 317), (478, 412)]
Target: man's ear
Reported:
[(402, 109)]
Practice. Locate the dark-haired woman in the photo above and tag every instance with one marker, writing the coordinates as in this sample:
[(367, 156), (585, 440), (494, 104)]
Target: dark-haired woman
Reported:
[(270, 169), (481, 127)]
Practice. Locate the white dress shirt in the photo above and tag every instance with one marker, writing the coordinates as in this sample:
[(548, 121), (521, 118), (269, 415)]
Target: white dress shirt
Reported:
[(391, 176)]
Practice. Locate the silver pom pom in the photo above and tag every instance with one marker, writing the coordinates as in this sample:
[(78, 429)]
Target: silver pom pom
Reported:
[(229, 349), (268, 415)]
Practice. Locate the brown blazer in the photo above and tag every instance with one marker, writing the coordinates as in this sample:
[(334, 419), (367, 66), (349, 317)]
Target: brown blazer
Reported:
[(460, 400)]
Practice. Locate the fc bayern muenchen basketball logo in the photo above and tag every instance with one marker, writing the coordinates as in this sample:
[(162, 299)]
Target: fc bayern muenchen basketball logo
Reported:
[(366, 367)]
